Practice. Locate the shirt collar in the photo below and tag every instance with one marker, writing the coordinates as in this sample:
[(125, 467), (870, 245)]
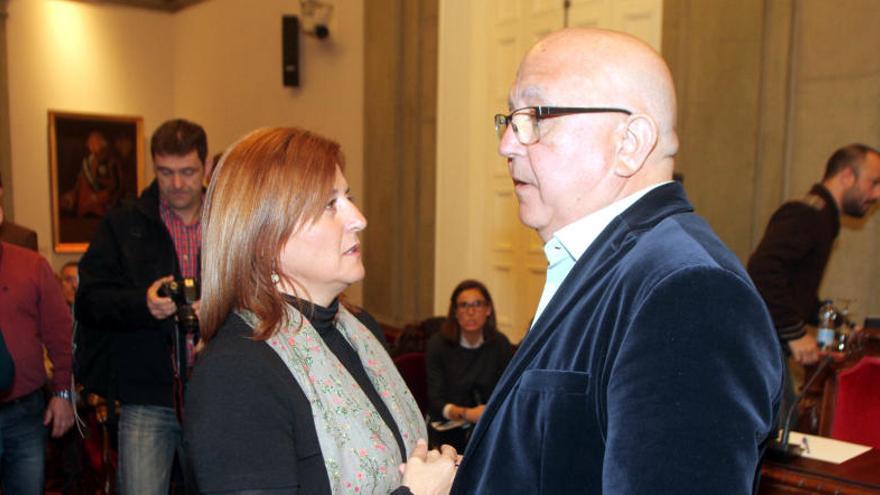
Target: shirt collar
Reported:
[(576, 237), (467, 345), (168, 212)]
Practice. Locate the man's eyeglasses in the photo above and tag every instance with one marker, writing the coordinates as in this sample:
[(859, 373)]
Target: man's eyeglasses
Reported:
[(525, 120), (465, 305)]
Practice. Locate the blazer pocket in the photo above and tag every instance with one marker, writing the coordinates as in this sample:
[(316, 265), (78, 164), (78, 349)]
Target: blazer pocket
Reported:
[(555, 381), (555, 425)]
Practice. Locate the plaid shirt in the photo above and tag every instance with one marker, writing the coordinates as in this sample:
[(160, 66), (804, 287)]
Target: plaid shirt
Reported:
[(187, 239)]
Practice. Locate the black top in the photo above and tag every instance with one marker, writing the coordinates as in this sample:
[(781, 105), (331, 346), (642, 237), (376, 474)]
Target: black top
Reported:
[(788, 264), (461, 376), (248, 425)]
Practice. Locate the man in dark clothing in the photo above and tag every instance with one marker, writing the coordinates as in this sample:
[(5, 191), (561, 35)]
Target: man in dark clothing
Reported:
[(137, 248), (651, 365), (788, 264)]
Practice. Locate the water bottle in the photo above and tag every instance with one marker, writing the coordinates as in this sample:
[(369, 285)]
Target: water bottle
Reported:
[(825, 337), (846, 327)]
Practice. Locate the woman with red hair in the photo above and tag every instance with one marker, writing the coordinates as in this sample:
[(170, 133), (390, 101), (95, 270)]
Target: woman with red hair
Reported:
[(291, 393)]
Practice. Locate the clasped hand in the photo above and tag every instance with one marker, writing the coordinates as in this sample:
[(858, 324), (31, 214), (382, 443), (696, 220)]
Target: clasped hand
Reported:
[(430, 472)]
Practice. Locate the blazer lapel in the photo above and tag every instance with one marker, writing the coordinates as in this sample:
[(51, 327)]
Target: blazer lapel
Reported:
[(658, 204)]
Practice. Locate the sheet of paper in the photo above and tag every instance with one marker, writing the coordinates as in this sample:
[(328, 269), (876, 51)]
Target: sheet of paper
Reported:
[(826, 449), (447, 425)]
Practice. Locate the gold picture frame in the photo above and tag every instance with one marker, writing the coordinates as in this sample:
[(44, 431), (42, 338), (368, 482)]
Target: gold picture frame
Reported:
[(95, 163)]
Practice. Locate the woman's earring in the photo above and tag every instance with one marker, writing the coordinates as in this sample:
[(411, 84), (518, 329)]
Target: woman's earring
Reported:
[(274, 278)]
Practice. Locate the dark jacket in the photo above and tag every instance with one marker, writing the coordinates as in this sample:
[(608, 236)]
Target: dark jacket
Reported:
[(653, 369), (788, 264), (131, 249)]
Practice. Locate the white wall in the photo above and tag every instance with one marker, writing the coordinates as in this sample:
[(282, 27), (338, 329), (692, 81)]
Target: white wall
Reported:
[(227, 76), (217, 63), (81, 58), (227, 73)]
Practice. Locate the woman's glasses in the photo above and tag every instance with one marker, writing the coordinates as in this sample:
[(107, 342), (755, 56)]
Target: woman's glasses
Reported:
[(466, 305)]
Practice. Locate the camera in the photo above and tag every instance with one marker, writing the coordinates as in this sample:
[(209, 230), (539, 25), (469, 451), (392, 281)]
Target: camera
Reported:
[(184, 293)]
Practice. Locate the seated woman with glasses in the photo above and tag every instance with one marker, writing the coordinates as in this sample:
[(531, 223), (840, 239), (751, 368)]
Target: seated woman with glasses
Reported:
[(291, 393), (464, 361)]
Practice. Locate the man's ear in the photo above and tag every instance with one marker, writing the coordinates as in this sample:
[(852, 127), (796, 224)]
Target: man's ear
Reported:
[(848, 176), (639, 139)]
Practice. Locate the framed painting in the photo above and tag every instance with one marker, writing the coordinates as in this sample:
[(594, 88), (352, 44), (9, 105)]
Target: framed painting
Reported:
[(95, 163)]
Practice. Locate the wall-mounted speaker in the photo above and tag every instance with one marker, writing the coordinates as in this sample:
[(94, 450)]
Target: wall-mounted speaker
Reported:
[(290, 50)]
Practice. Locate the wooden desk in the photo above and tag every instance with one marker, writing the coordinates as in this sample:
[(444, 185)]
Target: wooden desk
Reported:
[(859, 475)]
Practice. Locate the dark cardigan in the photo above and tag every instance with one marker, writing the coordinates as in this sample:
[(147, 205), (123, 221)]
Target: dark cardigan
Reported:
[(461, 376), (249, 426), (788, 264)]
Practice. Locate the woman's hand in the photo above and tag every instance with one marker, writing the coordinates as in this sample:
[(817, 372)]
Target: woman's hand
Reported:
[(456, 413), (472, 414), (430, 472), (469, 414)]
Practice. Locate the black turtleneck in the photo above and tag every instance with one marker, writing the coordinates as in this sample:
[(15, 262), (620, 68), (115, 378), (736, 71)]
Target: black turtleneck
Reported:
[(324, 321)]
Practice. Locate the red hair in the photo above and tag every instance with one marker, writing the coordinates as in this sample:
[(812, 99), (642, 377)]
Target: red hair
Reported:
[(268, 185)]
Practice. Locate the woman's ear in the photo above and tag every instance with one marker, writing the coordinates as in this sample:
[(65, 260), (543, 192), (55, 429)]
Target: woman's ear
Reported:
[(638, 141)]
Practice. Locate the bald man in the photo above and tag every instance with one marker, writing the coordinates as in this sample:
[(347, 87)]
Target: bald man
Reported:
[(652, 365)]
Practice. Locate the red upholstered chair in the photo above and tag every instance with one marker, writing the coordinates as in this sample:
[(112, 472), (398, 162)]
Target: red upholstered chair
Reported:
[(412, 368), (857, 405), (391, 334)]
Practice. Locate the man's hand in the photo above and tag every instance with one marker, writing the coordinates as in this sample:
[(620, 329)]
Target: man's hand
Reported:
[(197, 307), (804, 350), (160, 307), (430, 473), (59, 413)]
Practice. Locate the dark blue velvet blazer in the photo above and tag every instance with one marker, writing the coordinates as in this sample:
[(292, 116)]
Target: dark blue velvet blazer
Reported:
[(654, 369)]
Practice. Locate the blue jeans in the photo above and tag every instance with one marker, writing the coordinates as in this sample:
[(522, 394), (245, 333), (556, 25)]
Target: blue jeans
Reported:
[(149, 436), (23, 445)]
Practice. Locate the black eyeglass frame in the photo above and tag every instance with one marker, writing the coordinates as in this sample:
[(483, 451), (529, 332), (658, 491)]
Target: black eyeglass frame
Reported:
[(467, 305), (542, 112)]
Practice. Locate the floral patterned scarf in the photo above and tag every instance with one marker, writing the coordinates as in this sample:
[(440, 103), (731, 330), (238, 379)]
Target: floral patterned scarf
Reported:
[(359, 449)]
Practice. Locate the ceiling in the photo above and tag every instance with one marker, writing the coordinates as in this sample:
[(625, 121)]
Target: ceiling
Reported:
[(164, 5)]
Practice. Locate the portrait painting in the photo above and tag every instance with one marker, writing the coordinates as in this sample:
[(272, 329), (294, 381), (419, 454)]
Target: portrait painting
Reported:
[(95, 164)]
